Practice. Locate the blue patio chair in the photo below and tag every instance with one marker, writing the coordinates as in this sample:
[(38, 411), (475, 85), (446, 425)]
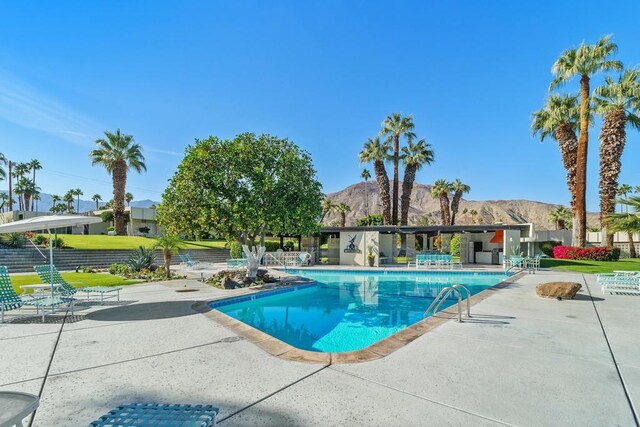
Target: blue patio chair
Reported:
[(151, 414)]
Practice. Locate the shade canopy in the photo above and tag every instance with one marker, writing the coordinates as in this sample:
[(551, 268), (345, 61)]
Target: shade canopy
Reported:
[(48, 222)]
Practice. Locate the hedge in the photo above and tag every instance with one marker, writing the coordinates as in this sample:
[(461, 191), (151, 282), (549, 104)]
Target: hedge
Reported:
[(594, 253)]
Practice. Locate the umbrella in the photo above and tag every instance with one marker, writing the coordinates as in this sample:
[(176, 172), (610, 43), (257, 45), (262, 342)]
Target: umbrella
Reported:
[(49, 222)]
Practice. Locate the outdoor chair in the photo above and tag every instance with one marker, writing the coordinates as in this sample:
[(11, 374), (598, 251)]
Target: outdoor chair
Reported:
[(300, 260), (9, 300), (66, 290), (151, 414), (619, 282)]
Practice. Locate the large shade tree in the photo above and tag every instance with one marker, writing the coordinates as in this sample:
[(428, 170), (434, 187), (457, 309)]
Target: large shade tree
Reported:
[(377, 152), (240, 189), (414, 155), (459, 189), (618, 102), (394, 127), (584, 62), (559, 119), (118, 153)]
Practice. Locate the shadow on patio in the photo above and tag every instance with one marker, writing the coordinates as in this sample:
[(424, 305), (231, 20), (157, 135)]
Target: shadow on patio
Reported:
[(145, 311)]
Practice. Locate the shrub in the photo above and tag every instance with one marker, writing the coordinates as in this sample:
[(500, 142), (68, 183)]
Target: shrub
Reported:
[(595, 253), (547, 248), (111, 228), (40, 240), (120, 269), (106, 216), (373, 219), (13, 240), (272, 246), (236, 249), (289, 245), (454, 245), (140, 259), (58, 243)]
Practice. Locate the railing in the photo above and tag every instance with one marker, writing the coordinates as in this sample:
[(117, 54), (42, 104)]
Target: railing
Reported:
[(268, 257), (284, 258), (444, 294)]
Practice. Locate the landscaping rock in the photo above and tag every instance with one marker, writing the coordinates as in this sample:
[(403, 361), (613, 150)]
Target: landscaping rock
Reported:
[(561, 290), (228, 283)]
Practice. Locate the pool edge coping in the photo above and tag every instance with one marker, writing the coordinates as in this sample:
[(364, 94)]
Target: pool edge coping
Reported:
[(377, 350)]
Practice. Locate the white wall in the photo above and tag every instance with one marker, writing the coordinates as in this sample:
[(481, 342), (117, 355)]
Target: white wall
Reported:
[(511, 241), (351, 258)]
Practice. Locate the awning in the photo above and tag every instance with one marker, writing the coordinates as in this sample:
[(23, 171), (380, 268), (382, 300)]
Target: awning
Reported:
[(498, 237)]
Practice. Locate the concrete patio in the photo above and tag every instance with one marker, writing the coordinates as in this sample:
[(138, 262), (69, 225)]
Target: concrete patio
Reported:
[(521, 360)]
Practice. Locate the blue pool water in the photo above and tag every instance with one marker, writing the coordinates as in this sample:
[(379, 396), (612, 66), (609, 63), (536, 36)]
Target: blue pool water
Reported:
[(348, 310)]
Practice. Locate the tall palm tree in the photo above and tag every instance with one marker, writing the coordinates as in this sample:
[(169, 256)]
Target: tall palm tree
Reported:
[(128, 197), (378, 152), (328, 206), (97, 198), (77, 192), (35, 198), (584, 61), (624, 190), (19, 171), (627, 222), (26, 189), (169, 244), (3, 161), (34, 165), (414, 156), (559, 119), (365, 174), (68, 199), (4, 198), (343, 209), (459, 188), (117, 153), (55, 199), (393, 127), (619, 103), (441, 190), (559, 216)]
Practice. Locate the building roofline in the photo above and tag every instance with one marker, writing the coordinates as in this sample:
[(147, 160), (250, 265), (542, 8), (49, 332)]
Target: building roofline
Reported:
[(423, 229)]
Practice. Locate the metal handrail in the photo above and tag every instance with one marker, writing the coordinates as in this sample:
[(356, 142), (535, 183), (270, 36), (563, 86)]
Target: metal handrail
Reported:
[(458, 287), (275, 259), (444, 294)]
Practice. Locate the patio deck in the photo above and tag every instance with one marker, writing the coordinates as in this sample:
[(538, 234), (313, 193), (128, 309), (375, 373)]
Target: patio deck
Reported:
[(522, 360)]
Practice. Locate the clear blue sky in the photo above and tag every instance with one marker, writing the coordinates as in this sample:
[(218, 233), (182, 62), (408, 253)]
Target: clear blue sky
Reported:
[(324, 74)]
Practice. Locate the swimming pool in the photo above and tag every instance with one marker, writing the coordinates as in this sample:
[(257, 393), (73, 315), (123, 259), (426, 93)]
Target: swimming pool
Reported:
[(348, 310)]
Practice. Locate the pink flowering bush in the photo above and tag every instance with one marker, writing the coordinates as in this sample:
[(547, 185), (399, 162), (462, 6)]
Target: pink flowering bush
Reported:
[(594, 253)]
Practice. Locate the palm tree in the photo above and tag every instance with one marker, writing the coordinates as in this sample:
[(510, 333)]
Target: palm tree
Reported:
[(35, 198), (623, 190), (97, 198), (128, 197), (26, 189), (68, 199), (4, 198), (58, 209), (328, 206), (169, 245), (365, 174), (393, 127), (473, 214), (559, 119), (19, 171), (77, 192), (34, 165), (414, 156), (441, 190), (618, 102), (559, 216), (626, 222), (343, 209), (55, 199), (3, 161), (118, 153), (584, 61), (459, 188), (378, 152)]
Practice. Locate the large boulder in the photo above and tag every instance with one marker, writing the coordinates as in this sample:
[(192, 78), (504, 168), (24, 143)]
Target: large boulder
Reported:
[(562, 290)]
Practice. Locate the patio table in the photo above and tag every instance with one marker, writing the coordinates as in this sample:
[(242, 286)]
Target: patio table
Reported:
[(16, 406), (38, 288)]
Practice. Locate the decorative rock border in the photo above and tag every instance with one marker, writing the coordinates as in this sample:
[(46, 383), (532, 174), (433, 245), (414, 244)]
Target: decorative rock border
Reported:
[(382, 348)]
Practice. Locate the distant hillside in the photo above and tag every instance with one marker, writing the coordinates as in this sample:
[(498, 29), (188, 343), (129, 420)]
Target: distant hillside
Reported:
[(489, 211), (45, 203)]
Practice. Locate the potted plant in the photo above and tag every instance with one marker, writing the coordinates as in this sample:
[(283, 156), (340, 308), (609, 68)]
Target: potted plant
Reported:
[(371, 256)]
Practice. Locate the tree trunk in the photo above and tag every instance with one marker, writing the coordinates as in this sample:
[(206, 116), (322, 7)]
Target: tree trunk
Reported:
[(119, 177), (366, 202), (167, 264), (343, 219), (396, 188), (27, 199), (253, 261), (383, 187), (612, 141), (445, 216), (568, 143), (632, 246), (455, 204), (580, 211), (407, 189)]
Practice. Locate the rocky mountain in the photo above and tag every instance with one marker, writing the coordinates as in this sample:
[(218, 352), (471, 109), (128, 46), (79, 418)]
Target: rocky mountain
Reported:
[(422, 204)]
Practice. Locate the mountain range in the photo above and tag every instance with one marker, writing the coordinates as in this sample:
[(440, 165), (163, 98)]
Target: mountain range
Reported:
[(422, 204), (46, 202)]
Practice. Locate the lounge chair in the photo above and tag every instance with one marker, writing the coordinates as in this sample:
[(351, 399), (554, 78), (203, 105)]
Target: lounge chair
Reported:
[(151, 414), (189, 262), (300, 260), (66, 290), (9, 300), (621, 281)]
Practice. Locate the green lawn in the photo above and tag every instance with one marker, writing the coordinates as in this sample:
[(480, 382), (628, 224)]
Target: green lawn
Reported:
[(127, 242), (85, 279), (591, 266)]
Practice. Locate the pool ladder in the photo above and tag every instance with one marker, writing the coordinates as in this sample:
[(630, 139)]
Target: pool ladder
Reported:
[(444, 294)]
